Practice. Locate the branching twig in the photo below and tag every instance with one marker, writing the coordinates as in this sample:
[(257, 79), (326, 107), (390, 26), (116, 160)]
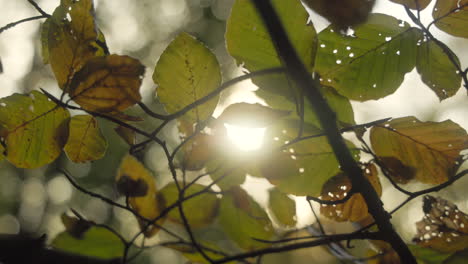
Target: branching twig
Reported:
[(38, 8)]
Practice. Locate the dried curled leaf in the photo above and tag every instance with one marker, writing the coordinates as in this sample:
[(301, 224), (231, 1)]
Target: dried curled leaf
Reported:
[(34, 129), (443, 227), (75, 226), (337, 188), (108, 84), (342, 13), (149, 205), (251, 115)]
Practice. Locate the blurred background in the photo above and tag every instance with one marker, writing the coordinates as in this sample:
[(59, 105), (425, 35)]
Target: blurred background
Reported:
[(31, 201)]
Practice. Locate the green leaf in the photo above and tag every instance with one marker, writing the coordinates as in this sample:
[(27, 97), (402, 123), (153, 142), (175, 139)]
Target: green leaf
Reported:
[(200, 210), (232, 176), (97, 242), (459, 257), (432, 149), (249, 43), (303, 167), (251, 115), (340, 105), (452, 17), (243, 220), (283, 207), (34, 128), (372, 62), (141, 182), (437, 70), (85, 140), (69, 38), (427, 255), (187, 71), (413, 4)]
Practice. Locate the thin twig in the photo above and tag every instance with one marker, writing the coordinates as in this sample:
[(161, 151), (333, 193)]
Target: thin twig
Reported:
[(12, 24), (38, 8)]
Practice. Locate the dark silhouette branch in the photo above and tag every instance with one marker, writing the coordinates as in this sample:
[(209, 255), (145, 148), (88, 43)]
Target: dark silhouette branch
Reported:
[(303, 79), (38, 8), (20, 249)]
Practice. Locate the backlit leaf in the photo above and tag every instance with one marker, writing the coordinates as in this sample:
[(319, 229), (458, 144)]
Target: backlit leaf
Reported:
[(97, 242), (431, 149), (283, 207), (108, 84), (428, 255), (187, 71), (443, 228), (413, 4), (342, 13), (34, 128), (301, 168), (225, 174), (151, 204), (437, 70), (197, 152), (85, 140), (249, 43), (451, 16), (200, 210), (338, 187), (69, 38), (340, 105), (251, 115), (371, 62), (243, 219), (192, 254)]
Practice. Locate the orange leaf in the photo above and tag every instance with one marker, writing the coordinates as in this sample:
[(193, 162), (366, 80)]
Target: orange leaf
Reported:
[(108, 84), (336, 188)]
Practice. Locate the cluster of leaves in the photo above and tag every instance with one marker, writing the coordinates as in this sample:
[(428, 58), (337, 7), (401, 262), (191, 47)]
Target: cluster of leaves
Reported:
[(366, 61)]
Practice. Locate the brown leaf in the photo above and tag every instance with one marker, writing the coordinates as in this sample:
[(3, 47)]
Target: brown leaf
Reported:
[(398, 171), (108, 84), (342, 13), (336, 188), (430, 150), (126, 134), (444, 227)]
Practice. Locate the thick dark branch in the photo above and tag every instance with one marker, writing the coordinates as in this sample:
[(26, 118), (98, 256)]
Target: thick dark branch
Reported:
[(307, 244), (19, 249), (303, 79), (12, 24)]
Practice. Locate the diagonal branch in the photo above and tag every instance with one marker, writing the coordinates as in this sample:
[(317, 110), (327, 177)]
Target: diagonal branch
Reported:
[(299, 74)]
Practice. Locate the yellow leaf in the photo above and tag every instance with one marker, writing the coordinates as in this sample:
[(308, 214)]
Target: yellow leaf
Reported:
[(150, 205), (108, 84), (85, 140), (69, 39), (34, 128)]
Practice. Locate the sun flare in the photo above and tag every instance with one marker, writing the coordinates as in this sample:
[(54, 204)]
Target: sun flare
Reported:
[(245, 138)]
